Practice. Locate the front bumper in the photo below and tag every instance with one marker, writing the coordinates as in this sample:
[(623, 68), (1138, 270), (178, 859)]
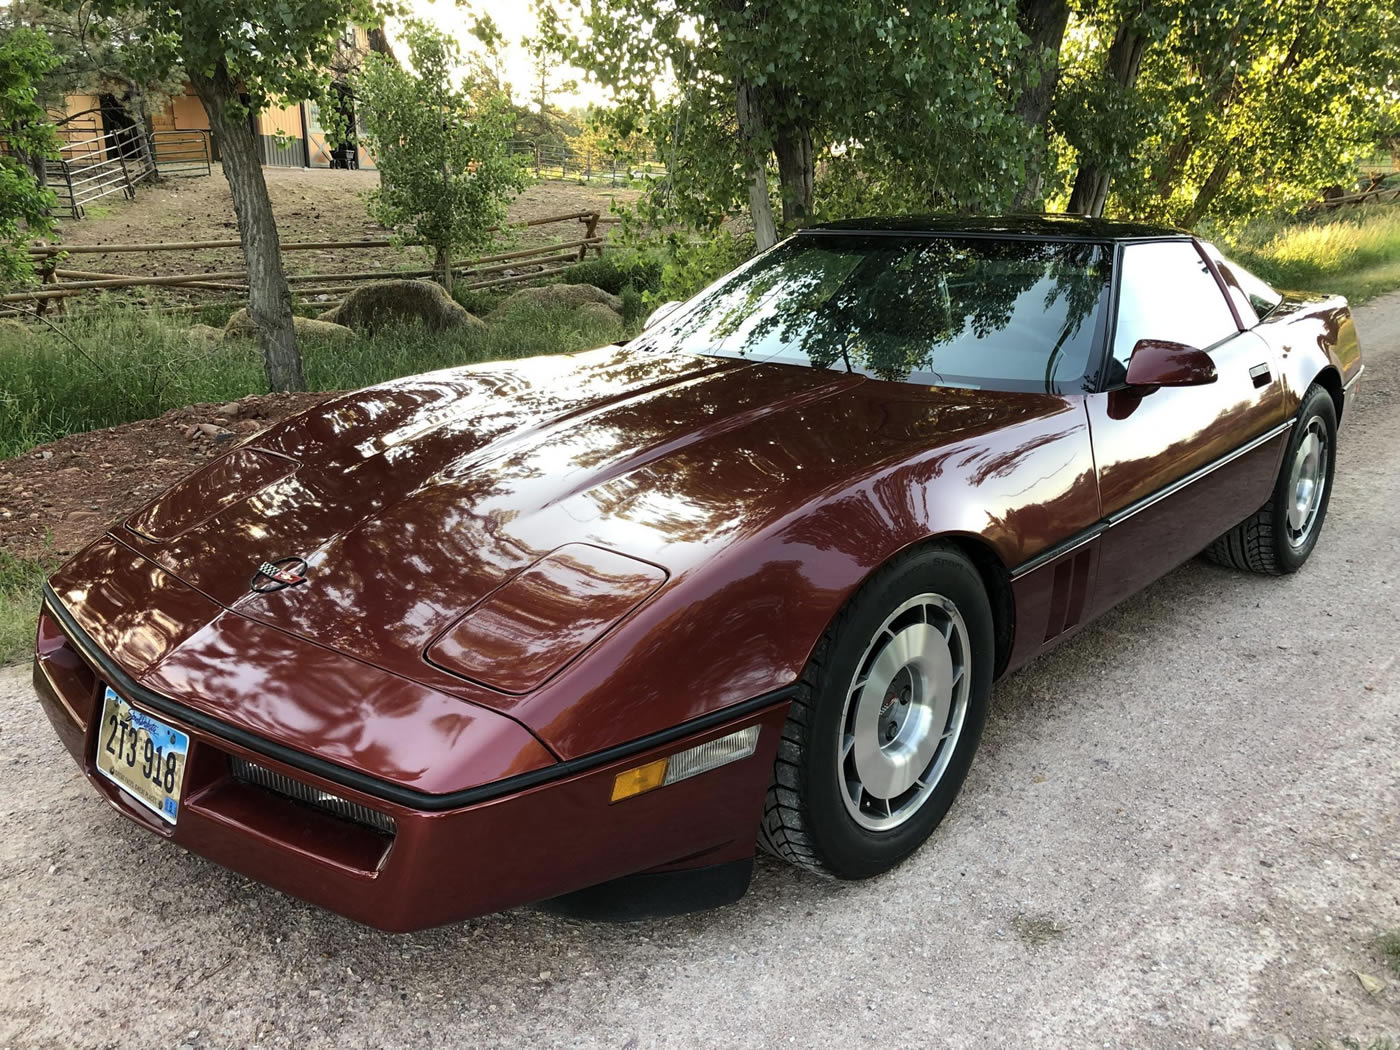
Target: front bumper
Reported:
[(532, 838)]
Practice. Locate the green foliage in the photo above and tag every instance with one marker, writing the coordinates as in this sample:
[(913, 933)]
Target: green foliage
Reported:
[(618, 270), (1354, 252), (1237, 110), (21, 581), (692, 263), (130, 364), (445, 175), (25, 207), (272, 50), (921, 87)]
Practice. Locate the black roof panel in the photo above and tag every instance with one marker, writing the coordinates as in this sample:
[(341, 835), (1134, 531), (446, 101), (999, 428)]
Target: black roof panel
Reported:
[(1029, 225)]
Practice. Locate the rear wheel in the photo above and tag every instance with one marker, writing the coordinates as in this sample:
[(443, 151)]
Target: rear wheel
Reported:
[(888, 715), (1278, 537)]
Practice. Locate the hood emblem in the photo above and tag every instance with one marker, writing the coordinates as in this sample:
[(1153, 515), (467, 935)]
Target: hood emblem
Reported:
[(276, 575)]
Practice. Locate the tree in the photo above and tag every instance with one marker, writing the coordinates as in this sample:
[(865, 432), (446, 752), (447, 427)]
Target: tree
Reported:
[(546, 49), (906, 99), (242, 57), (445, 174), (1191, 109), (25, 206), (104, 53)]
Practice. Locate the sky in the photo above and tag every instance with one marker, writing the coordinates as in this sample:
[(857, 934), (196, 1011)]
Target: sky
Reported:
[(516, 20)]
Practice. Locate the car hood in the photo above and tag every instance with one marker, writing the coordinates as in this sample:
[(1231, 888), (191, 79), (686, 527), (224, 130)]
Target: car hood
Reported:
[(547, 498)]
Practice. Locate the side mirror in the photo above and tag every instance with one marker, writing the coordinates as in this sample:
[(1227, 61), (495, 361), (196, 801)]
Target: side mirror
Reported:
[(1159, 362), (660, 313)]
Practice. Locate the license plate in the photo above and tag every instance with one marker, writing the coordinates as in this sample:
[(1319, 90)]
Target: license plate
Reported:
[(142, 755)]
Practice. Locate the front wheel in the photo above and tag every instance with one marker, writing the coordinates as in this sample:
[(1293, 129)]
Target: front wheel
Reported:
[(887, 718), (1278, 537)]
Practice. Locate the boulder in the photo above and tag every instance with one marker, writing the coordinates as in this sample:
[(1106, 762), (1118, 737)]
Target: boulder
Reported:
[(575, 295), (600, 312), (241, 326), (206, 336), (14, 330), (381, 303)]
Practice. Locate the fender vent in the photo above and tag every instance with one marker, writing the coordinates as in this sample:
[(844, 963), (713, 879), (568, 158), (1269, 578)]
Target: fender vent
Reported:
[(1068, 592)]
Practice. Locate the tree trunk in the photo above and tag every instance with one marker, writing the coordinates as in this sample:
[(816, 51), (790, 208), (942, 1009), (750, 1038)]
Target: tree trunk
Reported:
[(442, 263), (379, 43), (795, 174), (1043, 22), (269, 300), (1090, 192), (1212, 186), (751, 130)]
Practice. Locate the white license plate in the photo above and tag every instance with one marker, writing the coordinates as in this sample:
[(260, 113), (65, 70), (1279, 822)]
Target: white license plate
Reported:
[(142, 755)]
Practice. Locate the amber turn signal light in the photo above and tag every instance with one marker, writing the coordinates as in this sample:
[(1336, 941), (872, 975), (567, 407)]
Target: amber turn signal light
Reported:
[(636, 781), (685, 764)]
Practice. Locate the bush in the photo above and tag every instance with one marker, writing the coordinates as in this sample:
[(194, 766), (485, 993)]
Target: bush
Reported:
[(618, 270)]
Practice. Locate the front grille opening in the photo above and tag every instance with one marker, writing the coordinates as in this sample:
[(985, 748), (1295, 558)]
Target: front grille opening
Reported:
[(271, 780)]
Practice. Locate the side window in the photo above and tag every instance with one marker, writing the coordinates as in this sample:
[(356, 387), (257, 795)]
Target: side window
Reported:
[(1254, 299), (1167, 292)]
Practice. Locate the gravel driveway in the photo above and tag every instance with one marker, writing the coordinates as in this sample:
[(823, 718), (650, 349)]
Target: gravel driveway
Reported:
[(1183, 829)]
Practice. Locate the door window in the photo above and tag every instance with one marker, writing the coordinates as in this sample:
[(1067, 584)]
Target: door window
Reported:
[(1166, 291)]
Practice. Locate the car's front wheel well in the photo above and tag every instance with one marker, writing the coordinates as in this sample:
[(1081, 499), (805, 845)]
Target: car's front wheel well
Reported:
[(997, 581), (1331, 381)]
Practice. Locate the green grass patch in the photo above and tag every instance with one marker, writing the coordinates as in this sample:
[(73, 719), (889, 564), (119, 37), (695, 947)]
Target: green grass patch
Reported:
[(1354, 252), (21, 581), (119, 363), (1388, 944)]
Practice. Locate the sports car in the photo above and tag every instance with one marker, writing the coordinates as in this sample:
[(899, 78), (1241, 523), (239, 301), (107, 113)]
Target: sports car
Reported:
[(591, 628)]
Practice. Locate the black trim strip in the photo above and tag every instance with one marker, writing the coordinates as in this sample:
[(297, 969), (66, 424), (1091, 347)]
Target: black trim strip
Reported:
[(1064, 547), (383, 789), (1123, 514)]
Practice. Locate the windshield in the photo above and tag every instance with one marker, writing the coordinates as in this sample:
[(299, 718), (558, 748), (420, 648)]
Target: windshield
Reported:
[(998, 313)]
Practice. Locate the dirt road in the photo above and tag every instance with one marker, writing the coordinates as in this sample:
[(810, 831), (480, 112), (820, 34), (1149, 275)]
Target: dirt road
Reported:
[(1183, 830)]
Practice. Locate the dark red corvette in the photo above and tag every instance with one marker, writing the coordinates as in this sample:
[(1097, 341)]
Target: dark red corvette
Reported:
[(588, 627)]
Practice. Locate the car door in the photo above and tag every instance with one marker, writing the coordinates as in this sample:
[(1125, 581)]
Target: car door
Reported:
[(1178, 466)]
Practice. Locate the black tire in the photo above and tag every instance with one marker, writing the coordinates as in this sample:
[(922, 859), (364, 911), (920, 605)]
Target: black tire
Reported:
[(1265, 542), (805, 819)]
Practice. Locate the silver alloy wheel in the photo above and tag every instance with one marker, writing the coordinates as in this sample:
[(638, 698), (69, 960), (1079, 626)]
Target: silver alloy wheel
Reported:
[(904, 712), (1307, 481)]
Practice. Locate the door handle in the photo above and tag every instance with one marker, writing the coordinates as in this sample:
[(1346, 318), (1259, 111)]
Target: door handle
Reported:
[(1260, 374)]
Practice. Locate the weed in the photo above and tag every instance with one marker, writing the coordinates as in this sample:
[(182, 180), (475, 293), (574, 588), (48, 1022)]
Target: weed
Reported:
[(21, 580)]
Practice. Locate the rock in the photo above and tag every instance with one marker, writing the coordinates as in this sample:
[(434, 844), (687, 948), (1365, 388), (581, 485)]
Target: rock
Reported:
[(574, 295), (241, 326), (80, 515), (213, 430), (15, 330), (43, 455), (247, 426), (600, 312), (229, 411), (190, 432), (1373, 985), (206, 336), (382, 303)]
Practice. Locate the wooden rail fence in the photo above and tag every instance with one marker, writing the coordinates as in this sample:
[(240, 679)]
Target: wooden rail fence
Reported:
[(60, 283)]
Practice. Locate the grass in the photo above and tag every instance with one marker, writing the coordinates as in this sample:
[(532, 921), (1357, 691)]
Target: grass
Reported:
[(119, 364), (20, 582), (1388, 944), (1354, 251)]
